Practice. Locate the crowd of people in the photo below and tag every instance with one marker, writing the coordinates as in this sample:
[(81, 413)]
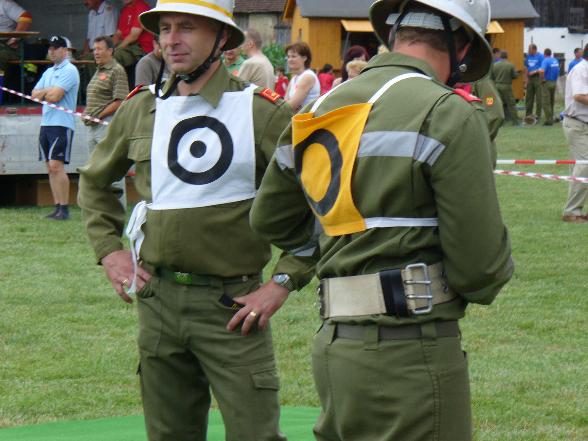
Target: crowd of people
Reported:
[(382, 188)]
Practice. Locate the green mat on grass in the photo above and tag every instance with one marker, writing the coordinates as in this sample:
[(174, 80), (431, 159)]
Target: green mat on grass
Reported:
[(296, 423)]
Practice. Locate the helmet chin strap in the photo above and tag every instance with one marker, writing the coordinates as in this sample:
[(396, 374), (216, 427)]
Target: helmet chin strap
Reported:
[(456, 66), (192, 76)]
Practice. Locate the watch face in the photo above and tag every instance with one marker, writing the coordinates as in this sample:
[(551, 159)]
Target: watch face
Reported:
[(280, 279)]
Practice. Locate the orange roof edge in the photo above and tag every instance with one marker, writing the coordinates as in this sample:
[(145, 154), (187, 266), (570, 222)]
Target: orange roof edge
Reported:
[(289, 10)]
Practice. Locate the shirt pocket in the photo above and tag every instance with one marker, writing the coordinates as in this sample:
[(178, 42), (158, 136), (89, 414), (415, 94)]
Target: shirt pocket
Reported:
[(140, 154)]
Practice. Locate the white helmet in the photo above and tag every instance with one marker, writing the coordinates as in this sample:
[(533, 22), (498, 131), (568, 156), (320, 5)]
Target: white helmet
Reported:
[(474, 14), (219, 10)]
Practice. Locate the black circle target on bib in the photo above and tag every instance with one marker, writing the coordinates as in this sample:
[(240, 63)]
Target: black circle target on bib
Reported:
[(329, 142), (198, 149)]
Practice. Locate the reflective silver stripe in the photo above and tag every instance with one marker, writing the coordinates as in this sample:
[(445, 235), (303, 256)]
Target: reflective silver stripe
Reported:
[(389, 222), (306, 250), (310, 247), (285, 156), (400, 144)]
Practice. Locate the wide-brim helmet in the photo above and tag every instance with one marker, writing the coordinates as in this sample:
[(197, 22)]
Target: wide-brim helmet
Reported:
[(219, 10), (473, 14)]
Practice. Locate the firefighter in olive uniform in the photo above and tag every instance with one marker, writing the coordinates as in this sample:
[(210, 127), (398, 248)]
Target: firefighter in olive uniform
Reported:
[(396, 168), (200, 145)]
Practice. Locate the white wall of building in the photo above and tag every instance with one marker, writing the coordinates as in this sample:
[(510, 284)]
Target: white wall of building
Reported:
[(559, 40)]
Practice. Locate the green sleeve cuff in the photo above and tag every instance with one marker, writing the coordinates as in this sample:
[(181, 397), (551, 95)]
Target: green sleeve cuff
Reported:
[(300, 269)]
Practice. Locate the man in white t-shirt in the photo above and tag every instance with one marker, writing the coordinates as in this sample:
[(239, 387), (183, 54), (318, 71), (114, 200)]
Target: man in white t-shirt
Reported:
[(575, 127), (257, 69), (102, 19)]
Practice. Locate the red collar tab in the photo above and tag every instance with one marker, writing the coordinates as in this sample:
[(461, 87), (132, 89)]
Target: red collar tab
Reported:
[(134, 92), (270, 95), (467, 96)]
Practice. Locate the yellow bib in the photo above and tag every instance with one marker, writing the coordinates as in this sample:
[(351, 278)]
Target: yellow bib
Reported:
[(325, 150)]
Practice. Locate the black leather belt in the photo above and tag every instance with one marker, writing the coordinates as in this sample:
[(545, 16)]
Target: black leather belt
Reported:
[(407, 332), (202, 279)]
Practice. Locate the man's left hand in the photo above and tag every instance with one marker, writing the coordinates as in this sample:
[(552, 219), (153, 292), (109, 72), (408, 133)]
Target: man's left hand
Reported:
[(258, 307)]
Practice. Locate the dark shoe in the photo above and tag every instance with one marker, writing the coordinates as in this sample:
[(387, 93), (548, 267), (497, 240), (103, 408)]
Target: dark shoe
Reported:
[(52, 215), (61, 215), (572, 218)]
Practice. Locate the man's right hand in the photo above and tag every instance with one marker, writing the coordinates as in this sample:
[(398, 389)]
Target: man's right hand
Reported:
[(119, 270)]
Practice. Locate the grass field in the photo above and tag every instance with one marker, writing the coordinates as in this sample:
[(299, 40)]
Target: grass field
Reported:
[(67, 343)]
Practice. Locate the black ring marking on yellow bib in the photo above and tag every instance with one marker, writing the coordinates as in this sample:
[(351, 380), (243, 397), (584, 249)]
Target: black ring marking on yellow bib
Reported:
[(330, 143), (198, 149)]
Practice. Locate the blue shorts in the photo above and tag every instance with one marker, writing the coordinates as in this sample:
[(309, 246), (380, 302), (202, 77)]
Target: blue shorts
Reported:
[(55, 143)]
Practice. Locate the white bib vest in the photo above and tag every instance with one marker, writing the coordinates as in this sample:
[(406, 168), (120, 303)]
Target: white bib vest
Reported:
[(201, 156)]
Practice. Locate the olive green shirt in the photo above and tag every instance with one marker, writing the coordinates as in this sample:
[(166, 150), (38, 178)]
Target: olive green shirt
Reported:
[(214, 240), (503, 72), (485, 89), (425, 153)]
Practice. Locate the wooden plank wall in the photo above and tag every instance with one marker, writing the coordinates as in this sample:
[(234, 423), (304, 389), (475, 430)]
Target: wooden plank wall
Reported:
[(512, 41), (325, 42), (323, 35)]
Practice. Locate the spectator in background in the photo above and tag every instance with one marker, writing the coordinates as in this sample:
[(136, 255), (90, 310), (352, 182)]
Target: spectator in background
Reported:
[(354, 68), (148, 67), (549, 72), (256, 69), (575, 127), (130, 40), (503, 72), (533, 62), (232, 60), (102, 19), (59, 85), (281, 81), (353, 53), (304, 85), (326, 78), (12, 18), (576, 60), (496, 54), (105, 93)]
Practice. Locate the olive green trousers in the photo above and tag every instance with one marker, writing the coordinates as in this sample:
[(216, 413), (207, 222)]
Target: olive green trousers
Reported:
[(129, 55), (186, 353), (533, 94), (391, 390), (509, 102), (548, 91)]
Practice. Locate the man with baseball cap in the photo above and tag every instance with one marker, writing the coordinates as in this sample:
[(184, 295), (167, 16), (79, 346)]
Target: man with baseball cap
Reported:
[(59, 85), (396, 166), (200, 143)]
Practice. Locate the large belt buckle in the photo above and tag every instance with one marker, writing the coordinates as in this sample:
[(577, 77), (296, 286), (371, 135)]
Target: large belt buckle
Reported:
[(427, 283), (183, 278)]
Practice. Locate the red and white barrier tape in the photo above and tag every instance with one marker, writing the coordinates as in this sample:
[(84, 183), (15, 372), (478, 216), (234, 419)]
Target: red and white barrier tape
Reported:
[(541, 162), (54, 106), (542, 176)]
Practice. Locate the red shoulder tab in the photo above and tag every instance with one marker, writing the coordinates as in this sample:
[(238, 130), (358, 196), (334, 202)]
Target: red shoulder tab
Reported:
[(270, 95), (467, 96), (133, 92)]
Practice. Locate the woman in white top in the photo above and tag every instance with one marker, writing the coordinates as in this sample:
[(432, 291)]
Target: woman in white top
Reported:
[(304, 86)]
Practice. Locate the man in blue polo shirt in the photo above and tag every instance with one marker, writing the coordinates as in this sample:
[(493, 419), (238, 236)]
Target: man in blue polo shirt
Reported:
[(578, 53), (59, 85), (533, 62), (549, 73)]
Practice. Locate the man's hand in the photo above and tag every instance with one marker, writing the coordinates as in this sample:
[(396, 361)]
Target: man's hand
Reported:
[(260, 305), (119, 270)]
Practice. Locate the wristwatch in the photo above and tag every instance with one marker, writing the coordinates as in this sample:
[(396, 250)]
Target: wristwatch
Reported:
[(284, 280)]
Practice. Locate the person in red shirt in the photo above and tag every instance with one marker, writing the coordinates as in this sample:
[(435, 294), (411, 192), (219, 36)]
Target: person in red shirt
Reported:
[(326, 78), (281, 82), (131, 41)]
